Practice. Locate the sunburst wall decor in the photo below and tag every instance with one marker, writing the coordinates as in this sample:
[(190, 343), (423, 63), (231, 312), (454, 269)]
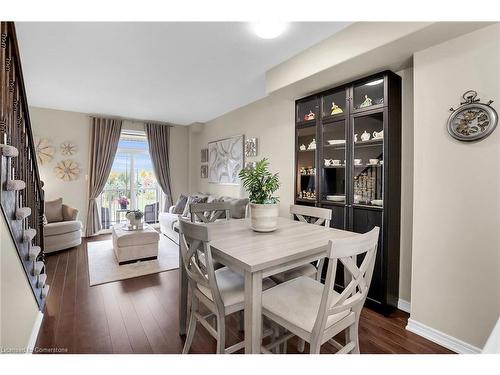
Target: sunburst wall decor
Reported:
[(44, 150), (67, 170), (68, 148)]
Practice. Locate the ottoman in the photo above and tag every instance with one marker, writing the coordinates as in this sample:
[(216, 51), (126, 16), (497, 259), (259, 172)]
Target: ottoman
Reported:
[(134, 245)]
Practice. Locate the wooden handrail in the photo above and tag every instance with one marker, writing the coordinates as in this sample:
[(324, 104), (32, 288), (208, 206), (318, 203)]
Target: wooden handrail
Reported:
[(16, 131)]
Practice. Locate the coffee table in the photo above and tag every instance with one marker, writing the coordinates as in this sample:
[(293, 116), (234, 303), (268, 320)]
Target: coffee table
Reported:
[(133, 245)]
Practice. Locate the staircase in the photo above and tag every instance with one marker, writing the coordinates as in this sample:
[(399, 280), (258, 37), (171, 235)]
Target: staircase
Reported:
[(21, 193)]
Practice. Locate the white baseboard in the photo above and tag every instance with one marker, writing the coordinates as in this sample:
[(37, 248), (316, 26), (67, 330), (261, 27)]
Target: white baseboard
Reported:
[(404, 305), (34, 332), (449, 342)]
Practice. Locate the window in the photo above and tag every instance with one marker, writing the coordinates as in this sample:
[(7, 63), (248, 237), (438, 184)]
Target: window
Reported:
[(131, 183)]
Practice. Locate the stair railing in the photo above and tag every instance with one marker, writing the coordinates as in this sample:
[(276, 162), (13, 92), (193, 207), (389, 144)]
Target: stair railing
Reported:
[(21, 193)]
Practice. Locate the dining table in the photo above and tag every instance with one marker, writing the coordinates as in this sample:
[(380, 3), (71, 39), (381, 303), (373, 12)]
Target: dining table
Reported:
[(257, 255)]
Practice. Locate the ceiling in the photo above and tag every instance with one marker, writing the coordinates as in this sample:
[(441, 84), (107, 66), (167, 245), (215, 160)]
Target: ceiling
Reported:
[(178, 72)]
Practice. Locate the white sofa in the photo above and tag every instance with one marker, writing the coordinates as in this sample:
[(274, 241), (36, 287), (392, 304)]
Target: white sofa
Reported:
[(62, 230), (169, 221)]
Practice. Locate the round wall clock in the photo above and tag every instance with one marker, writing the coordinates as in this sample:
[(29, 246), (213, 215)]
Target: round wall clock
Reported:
[(472, 121)]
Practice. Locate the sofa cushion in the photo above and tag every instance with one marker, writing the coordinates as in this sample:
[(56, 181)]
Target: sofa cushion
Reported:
[(193, 199), (180, 205), (53, 210), (62, 227)]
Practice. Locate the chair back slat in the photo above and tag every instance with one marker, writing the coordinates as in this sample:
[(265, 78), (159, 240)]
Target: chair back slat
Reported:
[(312, 215), (209, 212), (195, 239), (346, 250)]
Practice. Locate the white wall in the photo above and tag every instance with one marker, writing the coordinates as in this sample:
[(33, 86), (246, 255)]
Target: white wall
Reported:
[(59, 126), (18, 307), (272, 121), (456, 220)]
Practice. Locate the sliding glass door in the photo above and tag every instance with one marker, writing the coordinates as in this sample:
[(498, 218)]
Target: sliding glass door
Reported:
[(131, 183)]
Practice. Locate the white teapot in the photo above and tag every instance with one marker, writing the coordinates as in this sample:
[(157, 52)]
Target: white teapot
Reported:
[(302, 147), (365, 136), (378, 135), (312, 145)]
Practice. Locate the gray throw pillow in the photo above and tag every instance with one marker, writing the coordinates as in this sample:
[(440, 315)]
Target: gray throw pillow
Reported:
[(53, 210), (192, 199), (180, 205), (238, 208)]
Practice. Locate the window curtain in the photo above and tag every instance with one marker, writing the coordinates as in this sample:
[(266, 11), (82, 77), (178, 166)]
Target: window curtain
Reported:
[(104, 138), (158, 139)]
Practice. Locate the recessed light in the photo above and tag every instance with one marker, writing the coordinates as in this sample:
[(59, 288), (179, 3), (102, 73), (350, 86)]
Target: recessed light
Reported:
[(373, 83), (269, 30)]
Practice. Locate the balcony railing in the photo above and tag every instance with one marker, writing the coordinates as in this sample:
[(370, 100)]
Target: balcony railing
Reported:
[(146, 200)]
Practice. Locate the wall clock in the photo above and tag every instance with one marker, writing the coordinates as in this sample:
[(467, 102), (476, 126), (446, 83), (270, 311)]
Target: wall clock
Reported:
[(473, 120)]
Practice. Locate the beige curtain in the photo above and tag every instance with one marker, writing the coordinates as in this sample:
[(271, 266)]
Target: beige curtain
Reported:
[(104, 137), (158, 138)]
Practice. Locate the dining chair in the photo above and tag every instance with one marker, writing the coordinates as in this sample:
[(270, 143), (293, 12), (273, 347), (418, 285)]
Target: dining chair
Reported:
[(209, 212), (315, 312), (221, 291), (312, 215)]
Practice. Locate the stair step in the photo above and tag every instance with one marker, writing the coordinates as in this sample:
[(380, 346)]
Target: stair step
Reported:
[(16, 185), (29, 234), (42, 278), (37, 268), (9, 151), (22, 213), (45, 291), (33, 253)]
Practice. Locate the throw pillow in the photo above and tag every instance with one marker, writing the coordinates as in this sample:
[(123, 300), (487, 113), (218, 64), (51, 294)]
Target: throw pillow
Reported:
[(192, 199), (53, 210), (239, 208), (180, 205)]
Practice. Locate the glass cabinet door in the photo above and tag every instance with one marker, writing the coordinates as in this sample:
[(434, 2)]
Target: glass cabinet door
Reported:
[(333, 163), (307, 111), (368, 163), (368, 95), (334, 104), (306, 163)]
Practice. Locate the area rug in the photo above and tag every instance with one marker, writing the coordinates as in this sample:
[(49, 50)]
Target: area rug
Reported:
[(104, 268)]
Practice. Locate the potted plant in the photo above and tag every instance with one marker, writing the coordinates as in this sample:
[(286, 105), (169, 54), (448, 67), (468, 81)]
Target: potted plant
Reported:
[(260, 184), (123, 202)]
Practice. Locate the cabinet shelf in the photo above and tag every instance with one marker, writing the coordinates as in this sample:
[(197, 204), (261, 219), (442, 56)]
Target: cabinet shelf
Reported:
[(370, 143), (309, 200), (334, 167), (307, 150)]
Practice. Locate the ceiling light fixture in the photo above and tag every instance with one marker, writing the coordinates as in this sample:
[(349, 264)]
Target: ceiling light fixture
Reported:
[(373, 83), (269, 30)]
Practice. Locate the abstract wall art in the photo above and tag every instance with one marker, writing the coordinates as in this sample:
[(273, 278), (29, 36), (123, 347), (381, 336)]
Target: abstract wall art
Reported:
[(225, 160)]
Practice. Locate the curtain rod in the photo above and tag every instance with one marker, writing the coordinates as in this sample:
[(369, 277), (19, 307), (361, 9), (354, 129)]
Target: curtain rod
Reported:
[(131, 119)]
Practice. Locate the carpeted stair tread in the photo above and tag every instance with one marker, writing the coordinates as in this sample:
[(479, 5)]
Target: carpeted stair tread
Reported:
[(29, 234), (9, 151), (15, 185), (42, 278), (45, 291), (34, 252), (37, 268), (22, 213)]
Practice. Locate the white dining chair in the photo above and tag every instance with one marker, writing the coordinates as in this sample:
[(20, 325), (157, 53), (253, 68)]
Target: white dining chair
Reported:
[(315, 312), (221, 291), (312, 215)]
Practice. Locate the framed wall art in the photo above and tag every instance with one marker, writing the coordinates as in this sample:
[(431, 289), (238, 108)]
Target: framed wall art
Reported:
[(250, 147), (204, 155), (225, 160)]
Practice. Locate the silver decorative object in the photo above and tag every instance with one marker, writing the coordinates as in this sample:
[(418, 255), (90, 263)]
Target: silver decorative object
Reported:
[(204, 155), (225, 160), (250, 164), (251, 147), (472, 121), (204, 171)]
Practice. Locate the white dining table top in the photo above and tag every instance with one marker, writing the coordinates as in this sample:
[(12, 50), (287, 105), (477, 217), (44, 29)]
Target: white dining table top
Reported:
[(235, 242)]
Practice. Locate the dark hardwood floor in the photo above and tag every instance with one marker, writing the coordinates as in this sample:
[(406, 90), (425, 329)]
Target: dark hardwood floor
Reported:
[(140, 316)]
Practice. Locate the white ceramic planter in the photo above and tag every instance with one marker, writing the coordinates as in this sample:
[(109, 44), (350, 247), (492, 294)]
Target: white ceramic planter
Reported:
[(264, 217)]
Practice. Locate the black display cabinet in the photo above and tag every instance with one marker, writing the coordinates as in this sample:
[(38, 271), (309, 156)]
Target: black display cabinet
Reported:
[(348, 159)]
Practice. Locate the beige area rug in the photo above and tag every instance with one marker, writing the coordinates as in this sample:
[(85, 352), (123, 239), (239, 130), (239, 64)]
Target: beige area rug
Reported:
[(104, 268)]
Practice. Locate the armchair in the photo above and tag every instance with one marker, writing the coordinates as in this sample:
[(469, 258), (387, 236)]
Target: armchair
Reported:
[(62, 230)]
